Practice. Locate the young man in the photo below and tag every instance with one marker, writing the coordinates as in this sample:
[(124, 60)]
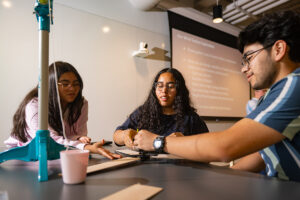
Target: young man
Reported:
[(268, 138)]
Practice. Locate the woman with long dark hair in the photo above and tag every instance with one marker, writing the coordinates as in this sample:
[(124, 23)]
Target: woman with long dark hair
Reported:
[(167, 110), (74, 108)]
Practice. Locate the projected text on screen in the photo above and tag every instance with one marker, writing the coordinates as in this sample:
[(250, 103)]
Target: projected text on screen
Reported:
[(213, 75)]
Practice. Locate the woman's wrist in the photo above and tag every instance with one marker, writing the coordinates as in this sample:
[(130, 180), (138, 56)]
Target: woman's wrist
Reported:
[(87, 147)]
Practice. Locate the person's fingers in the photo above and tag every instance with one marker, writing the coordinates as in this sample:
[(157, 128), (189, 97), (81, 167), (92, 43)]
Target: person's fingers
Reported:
[(108, 154), (105, 153), (100, 144), (136, 137), (133, 135), (130, 145), (179, 134), (135, 143), (135, 148), (85, 140), (115, 155), (128, 142)]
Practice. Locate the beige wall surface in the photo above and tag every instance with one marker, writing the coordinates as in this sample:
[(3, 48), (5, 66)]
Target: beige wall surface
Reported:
[(115, 83)]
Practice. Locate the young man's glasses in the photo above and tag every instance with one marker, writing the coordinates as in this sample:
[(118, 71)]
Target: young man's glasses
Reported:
[(160, 86), (67, 84), (246, 59)]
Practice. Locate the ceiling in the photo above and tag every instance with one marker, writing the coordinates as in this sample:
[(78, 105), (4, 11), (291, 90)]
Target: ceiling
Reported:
[(238, 13)]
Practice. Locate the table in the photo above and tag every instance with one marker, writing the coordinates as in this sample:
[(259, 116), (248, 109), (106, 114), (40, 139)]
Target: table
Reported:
[(180, 179)]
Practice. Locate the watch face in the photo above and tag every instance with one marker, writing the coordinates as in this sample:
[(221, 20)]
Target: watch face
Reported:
[(157, 144)]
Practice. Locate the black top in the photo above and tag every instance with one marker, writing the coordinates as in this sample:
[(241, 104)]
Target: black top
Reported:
[(192, 125)]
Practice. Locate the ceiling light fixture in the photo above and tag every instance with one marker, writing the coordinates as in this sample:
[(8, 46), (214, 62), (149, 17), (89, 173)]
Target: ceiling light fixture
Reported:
[(217, 13), (6, 4)]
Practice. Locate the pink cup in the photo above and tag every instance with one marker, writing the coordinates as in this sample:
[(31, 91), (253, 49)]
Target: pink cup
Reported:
[(73, 165)]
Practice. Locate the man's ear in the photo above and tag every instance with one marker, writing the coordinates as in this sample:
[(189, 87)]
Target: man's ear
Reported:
[(279, 50)]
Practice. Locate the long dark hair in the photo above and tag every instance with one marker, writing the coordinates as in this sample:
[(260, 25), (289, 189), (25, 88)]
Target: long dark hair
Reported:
[(149, 113), (19, 123)]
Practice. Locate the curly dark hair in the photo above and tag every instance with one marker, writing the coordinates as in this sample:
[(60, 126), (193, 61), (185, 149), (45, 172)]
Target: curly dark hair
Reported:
[(149, 113), (284, 25), (19, 123)]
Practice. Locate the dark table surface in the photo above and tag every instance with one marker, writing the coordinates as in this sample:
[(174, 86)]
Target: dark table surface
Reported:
[(180, 179)]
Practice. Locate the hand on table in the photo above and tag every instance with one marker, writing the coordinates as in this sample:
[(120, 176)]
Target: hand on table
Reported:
[(144, 140), (98, 149)]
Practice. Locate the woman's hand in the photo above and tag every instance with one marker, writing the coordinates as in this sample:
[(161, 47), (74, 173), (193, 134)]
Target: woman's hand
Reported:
[(98, 149), (144, 140), (129, 137), (84, 139)]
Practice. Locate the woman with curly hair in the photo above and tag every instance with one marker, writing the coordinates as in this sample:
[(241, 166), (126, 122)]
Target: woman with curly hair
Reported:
[(167, 110)]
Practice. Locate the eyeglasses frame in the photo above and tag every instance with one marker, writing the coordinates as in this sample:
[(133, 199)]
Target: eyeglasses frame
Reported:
[(246, 62), (165, 85)]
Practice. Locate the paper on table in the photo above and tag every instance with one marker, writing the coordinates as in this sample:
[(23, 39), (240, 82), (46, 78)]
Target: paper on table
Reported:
[(111, 164), (166, 156), (128, 152), (136, 153), (134, 192)]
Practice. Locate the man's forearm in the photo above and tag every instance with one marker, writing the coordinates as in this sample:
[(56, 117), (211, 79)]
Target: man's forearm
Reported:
[(251, 163), (202, 147)]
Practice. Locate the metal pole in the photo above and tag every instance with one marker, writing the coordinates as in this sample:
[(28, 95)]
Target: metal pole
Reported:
[(43, 79), (42, 148)]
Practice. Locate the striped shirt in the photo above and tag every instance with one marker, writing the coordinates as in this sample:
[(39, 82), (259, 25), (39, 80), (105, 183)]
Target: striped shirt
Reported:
[(280, 110)]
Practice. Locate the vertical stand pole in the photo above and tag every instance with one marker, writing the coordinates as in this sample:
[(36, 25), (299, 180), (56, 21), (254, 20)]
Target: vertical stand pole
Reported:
[(42, 148), (42, 10)]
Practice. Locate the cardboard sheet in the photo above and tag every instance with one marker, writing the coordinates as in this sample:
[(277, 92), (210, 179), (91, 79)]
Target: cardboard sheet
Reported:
[(128, 152), (134, 192), (111, 164)]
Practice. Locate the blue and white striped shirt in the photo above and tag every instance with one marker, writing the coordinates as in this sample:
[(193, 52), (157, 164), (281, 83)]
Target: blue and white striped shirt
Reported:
[(280, 110)]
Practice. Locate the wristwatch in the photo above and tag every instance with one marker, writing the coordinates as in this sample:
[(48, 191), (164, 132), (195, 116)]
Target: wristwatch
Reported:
[(159, 144)]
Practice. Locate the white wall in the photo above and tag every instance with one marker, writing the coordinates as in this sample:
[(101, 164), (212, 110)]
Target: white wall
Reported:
[(114, 82)]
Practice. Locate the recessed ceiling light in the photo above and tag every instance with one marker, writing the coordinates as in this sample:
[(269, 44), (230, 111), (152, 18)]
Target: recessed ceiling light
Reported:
[(6, 3), (105, 29)]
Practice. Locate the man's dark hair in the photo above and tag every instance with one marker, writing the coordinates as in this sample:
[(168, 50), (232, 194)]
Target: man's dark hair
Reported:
[(283, 25)]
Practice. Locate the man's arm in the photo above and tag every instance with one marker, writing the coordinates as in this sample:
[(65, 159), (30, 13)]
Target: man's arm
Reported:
[(245, 137), (252, 163)]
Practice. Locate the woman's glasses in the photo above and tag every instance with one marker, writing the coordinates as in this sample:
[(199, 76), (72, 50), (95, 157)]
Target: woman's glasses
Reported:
[(169, 86), (67, 84)]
